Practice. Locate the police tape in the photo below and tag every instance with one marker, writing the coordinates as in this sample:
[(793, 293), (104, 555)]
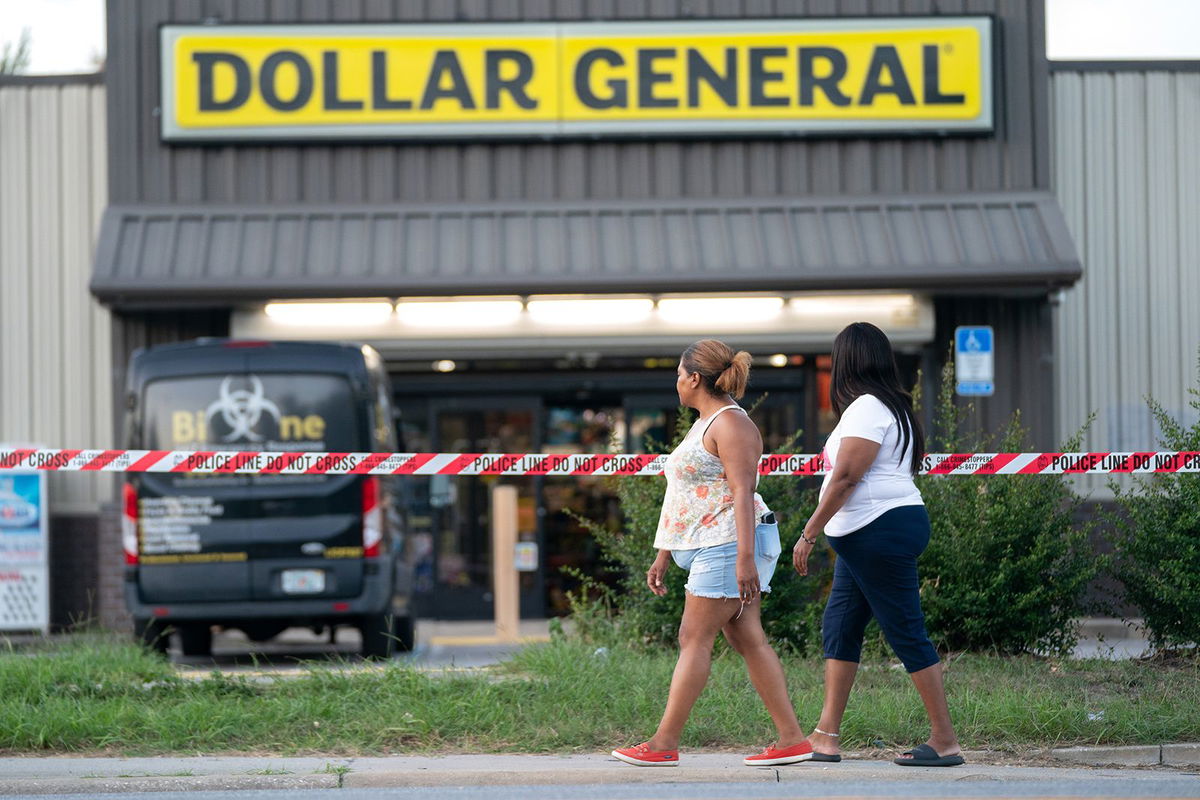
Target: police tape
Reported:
[(237, 462)]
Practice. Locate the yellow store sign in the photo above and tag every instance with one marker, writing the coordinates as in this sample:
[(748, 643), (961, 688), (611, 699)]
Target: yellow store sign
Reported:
[(628, 78)]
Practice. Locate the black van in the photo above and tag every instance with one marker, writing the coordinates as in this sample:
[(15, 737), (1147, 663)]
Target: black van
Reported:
[(262, 553)]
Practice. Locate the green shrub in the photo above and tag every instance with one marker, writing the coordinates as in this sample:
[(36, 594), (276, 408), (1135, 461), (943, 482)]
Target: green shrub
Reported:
[(627, 611), (1156, 539), (1008, 563)]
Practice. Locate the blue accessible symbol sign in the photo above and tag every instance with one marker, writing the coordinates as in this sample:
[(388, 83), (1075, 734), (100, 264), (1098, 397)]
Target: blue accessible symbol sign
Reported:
[(974, 363)]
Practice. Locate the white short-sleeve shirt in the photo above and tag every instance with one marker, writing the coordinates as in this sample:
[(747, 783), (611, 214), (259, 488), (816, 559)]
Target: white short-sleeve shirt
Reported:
[(888, 483)]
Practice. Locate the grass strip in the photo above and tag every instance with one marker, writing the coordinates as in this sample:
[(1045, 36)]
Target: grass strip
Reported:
[(93, 693)]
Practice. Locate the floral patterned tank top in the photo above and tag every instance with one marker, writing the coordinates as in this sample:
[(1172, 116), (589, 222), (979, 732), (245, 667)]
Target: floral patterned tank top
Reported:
[(698, 507)]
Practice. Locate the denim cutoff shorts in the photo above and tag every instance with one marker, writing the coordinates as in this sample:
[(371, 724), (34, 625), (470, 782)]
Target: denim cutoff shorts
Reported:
[(712, 571)]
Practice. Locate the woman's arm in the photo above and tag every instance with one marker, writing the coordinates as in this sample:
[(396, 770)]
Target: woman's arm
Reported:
[(739, 446), (855, 456)]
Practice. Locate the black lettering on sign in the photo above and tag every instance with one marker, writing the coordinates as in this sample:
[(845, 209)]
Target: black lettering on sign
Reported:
[(700, 70), (933, 80), (886, 57), (648, 77), (516, 86), (445, 64), (207, 63), (827, 83), (267, 81), (379, 94), (329, 80), (760, 76), (619, 97)]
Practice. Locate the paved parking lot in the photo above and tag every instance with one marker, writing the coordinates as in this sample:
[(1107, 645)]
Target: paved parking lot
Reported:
[(441, 645)]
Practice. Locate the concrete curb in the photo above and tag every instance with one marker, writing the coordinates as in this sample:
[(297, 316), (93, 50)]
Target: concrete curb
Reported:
[(1181, 755), (1170, 755)]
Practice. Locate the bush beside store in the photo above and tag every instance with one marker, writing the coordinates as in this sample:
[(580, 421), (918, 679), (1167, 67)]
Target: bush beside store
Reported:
[(1156, 538), (1008, 564)]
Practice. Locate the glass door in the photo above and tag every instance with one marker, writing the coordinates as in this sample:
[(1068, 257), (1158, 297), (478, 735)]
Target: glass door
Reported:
[(459, 583), (591, 422)]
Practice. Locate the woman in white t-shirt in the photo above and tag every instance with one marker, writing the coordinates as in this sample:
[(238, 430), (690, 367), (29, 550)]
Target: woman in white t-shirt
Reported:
[(875, 519)]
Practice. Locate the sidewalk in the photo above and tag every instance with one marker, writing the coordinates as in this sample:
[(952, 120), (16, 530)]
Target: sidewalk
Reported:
[(35, 775)]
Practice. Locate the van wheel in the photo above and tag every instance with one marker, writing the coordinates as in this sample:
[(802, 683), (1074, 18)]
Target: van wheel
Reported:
[(152, 634), (377, 635), (405, 633), (195, 639)]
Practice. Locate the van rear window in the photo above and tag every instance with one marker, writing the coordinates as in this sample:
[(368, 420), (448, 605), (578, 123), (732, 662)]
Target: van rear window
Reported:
[(241, 411)]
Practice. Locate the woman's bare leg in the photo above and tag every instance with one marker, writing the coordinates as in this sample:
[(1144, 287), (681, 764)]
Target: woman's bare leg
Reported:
[(942, 737), (703, 618), (839, 680), (745, 635)]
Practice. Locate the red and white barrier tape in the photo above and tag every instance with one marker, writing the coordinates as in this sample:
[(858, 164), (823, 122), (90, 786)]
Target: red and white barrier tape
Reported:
[(236, 462)]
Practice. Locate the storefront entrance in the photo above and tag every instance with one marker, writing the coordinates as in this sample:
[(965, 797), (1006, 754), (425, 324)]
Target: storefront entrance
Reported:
[(449, 517)]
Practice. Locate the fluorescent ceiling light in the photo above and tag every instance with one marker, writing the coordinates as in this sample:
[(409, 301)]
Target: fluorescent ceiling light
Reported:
[(852, 304), (565, 310), (719, 310), (465, 312), (357, 312)]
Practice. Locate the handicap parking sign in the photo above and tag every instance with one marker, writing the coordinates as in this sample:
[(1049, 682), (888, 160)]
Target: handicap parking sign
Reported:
[(974, 362)]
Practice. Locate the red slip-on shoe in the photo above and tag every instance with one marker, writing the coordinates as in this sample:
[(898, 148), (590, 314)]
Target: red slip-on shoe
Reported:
[(642, 756), (773, 756)]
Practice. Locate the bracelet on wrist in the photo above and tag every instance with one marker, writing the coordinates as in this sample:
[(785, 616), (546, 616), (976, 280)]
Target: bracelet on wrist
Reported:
[(812, 541)]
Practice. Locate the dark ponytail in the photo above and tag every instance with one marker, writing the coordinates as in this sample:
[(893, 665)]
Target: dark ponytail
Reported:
[(863, 362)]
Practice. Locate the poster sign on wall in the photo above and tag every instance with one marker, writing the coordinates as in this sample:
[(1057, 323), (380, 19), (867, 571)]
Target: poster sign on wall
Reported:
[(974, 361), (686, 77), (24, 554)]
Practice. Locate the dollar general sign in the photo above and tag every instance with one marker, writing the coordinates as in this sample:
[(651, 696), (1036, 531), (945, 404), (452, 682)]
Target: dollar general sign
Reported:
[(626, 78)]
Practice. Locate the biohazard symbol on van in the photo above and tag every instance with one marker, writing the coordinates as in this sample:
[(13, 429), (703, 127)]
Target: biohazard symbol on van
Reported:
[(241, 409)]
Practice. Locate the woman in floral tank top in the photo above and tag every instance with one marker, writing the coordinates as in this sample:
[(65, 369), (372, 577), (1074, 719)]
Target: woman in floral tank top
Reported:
[(716, 526)]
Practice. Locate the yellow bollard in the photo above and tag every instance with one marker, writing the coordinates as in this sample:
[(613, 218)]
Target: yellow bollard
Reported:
[(505, 584)]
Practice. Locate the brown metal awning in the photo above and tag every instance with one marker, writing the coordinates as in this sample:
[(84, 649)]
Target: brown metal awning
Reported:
[(164, 255)]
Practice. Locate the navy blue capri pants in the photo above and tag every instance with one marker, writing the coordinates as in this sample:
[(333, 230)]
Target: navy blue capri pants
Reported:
[(876, 575)]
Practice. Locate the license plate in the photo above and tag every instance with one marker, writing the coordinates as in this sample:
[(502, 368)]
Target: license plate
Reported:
[(303, 581)]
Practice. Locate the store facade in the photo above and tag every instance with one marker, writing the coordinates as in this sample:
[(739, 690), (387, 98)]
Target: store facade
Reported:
[(530, 208)]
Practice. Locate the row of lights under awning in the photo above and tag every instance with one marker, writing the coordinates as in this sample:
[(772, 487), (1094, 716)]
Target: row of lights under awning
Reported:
[(776, 360), (587, 327), (583, 311)]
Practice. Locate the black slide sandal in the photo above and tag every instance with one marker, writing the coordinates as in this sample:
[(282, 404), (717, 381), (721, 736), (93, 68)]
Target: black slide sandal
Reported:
[(825, 757), (925, 756)]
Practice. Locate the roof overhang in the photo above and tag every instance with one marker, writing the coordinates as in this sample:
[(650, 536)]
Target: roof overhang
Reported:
[(153, 255)]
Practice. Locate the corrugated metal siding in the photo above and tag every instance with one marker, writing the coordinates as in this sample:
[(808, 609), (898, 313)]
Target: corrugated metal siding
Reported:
[(149, 172), (1127, 169), (55, 341)]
